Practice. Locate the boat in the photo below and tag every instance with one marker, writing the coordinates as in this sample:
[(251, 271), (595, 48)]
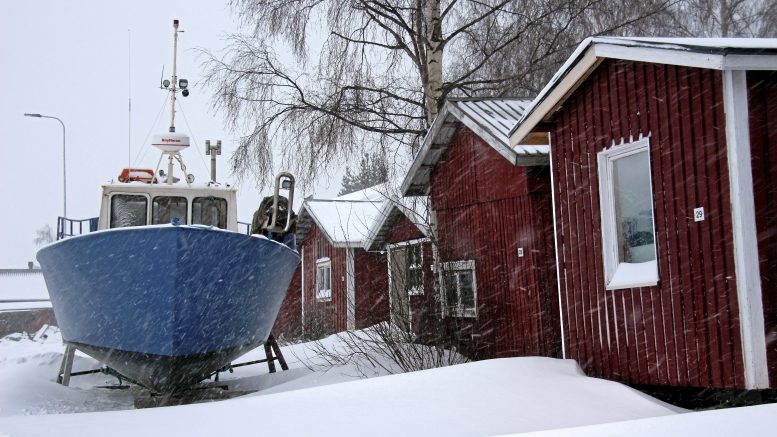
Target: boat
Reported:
[(167, 290)]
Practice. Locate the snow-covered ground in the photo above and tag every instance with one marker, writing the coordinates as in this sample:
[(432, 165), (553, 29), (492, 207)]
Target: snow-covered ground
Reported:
[(494, 397)]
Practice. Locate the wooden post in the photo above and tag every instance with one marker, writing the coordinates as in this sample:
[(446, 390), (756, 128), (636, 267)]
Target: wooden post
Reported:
[(63, 377)]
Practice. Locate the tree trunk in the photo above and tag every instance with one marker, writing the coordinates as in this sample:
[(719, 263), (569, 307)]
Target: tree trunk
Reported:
[(724, 18), (433, 65)]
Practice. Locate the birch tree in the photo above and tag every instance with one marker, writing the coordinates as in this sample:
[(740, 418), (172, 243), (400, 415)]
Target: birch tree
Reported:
[(384, 69)]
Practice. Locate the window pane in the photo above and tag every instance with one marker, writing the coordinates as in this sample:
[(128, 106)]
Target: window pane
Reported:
[(128, 210), (414, 255), (211, 211), (634, 208), (451, 292), (164, 209), (466, 290)]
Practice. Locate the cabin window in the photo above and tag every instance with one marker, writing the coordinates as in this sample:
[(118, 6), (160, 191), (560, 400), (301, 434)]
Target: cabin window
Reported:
[(460, 286), (415, 272), (210, 211), (323, 279), (628, 231), (165, 208), (128, 210)]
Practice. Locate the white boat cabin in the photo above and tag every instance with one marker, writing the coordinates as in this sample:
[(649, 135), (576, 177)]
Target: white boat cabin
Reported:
[(141, 204)]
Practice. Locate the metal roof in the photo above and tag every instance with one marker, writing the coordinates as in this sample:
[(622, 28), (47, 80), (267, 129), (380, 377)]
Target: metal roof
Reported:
[(491, 119)]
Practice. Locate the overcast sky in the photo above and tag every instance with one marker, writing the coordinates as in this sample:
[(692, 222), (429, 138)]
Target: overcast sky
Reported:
[(70, 60)]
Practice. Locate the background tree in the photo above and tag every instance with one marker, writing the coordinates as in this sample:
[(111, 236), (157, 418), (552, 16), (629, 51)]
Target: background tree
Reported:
[(373, 170), (43, 236), (385, 67)]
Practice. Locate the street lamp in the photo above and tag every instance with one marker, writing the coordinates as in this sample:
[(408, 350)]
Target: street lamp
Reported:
[(64, 167)]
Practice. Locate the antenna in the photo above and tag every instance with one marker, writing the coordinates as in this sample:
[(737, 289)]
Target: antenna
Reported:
[(129, 98)]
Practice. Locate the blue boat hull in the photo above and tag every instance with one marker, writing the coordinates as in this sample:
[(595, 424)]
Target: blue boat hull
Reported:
[(166, 305)]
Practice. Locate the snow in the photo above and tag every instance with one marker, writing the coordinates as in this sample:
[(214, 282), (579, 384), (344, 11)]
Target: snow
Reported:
[(24, 285), (629, 275), (24, 305), (493, 397), (371, 194), (750, 421), (344, 221), (523, 394)]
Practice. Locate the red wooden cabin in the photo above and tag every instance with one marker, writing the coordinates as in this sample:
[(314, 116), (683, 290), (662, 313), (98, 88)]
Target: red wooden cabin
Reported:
[(343, 285), (665, 208), (491, 215)]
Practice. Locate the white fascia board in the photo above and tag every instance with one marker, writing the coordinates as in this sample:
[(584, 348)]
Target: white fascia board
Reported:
[(409, 242), (748, 275), (683, 58), (555, 96), (358, 244), (750, 62)]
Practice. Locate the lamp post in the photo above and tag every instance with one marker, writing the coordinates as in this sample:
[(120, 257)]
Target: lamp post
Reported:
[(64, 166)]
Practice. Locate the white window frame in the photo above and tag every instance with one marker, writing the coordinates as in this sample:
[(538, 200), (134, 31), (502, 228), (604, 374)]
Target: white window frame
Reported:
[(458, 310), (323, 294), (612, 264)]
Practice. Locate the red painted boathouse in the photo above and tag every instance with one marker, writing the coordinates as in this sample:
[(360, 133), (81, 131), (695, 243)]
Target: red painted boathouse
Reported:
[(491, 217), (665, 208)]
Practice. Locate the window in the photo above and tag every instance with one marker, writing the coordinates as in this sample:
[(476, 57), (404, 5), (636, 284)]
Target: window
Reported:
[(165, 208), (458, 280), (323, 279), (414, 269), (211, 211), (628, 233), (128, 210)]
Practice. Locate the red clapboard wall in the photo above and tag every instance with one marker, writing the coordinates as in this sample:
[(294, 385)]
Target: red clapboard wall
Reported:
[(325, 317), (288, 324), (370, 285), (685, 330), (763, 140), (371, 281), (486, 209)]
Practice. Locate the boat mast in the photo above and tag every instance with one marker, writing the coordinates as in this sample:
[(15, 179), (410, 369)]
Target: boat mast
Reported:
[(174, 85), (172, 143)]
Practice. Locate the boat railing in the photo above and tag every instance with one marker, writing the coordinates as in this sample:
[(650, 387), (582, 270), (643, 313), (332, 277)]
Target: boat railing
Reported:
[(244, 227), (69, 227)]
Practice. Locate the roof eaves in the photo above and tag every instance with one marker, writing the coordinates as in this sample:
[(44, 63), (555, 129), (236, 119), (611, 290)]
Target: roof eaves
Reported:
[(318, 223), (683, 52), (413, 184), (377, 226)]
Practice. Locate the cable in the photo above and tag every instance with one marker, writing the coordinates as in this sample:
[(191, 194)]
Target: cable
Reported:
[(191, 132), (144, 144)]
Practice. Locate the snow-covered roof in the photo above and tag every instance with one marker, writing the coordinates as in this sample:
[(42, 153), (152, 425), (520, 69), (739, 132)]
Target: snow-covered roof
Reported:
[(22, 285), (491, 119), (371, 194), (415, 208), (345, 220), (712, 53)]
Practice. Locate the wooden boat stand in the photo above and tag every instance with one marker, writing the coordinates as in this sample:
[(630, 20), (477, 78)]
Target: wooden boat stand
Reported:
[(197, 393)]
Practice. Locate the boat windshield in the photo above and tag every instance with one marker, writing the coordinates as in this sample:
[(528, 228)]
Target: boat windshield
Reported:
[(166, 208), (128, 210), (211, 211)]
